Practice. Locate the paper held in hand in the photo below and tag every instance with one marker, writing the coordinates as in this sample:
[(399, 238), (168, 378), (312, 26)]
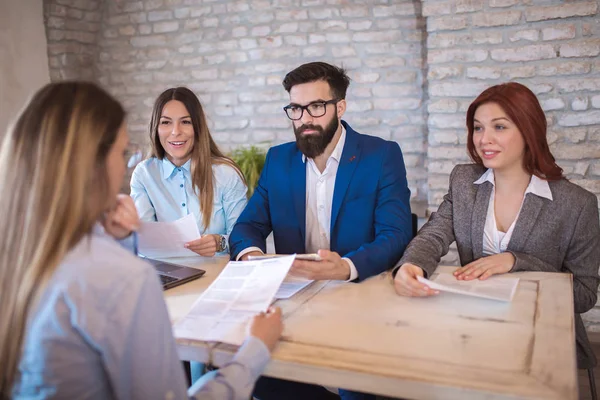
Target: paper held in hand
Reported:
[(167, 239), (242, 290), (496, 287)]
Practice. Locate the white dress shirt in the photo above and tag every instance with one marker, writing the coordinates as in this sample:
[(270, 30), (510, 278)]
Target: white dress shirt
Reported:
[(319, 199), (495, 241)]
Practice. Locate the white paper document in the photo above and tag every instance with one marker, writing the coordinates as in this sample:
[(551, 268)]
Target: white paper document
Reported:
[(495, 288), (290, 286), (242, 290), (167, 239)]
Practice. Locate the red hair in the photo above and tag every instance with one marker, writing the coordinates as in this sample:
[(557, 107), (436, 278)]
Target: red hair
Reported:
[(524, 110)]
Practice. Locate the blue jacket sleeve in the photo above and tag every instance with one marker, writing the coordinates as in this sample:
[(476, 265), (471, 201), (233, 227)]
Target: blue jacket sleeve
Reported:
[(254, 223), (392, 221)]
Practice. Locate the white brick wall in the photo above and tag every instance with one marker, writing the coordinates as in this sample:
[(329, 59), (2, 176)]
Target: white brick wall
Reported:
[(72, 28), (531, 42), (234, 55), (416, 66)]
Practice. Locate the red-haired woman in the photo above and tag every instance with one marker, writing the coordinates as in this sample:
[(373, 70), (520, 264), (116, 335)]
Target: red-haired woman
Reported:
[(512, 209)]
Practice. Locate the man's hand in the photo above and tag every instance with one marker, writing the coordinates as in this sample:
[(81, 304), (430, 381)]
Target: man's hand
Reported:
[(122, 219), (486, 266), (406, 283), (330, 267)]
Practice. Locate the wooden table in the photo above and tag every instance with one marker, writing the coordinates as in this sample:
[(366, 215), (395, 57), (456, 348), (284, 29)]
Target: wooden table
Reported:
[(364, 337)]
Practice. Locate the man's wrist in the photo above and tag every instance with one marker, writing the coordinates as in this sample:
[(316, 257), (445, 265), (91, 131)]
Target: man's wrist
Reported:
[(248, 250), (352, 271)]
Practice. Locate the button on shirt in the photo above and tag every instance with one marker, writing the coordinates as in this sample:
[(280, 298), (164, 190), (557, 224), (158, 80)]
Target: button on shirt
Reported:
[(319, 198), (163, 191), (495, 241)]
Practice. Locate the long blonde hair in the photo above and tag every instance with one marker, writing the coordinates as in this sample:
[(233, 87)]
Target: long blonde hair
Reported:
[(54, 187), (205, 152)]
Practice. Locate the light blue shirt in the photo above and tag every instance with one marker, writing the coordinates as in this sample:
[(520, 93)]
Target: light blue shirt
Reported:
[(163, 192), (101, 330)]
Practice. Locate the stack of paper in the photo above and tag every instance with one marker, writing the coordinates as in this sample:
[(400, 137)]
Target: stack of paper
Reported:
[(242, 290), (290, 286), (496, 287)]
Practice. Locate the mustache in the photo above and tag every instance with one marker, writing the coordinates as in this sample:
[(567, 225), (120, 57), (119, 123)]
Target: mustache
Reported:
[(303, 128)]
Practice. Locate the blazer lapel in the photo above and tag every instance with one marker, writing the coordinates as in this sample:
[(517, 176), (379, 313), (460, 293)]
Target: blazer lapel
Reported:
[(532, 206), (348, 162), (298, 177), (480, 208)]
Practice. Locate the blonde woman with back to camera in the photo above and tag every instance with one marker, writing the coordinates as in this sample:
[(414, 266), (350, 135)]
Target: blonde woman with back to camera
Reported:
[(80, 316)]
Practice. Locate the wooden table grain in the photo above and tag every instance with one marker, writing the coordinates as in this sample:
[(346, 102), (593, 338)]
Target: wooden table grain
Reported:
[(364, 337)]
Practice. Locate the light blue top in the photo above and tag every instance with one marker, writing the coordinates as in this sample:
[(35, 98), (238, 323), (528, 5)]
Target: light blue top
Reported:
[(102, 331), (163, 192)]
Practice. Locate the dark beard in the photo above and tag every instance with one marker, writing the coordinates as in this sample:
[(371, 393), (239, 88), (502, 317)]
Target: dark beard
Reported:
[(314, 145)]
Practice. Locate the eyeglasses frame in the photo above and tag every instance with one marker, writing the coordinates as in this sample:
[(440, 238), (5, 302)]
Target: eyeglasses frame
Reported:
[(305, 108)]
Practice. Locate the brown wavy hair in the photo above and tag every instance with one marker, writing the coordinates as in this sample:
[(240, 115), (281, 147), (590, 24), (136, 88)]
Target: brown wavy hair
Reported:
[(523, 109), (205, 151)]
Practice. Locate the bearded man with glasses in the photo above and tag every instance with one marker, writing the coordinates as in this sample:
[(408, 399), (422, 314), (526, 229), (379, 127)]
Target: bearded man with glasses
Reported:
[(333, 191)]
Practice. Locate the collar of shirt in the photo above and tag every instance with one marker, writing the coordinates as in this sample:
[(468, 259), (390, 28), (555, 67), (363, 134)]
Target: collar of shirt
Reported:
[(337, 151), (168, 168), (536, 186)]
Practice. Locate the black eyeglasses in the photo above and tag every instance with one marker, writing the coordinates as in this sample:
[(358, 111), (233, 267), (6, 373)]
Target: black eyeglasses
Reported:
[(315, 109)]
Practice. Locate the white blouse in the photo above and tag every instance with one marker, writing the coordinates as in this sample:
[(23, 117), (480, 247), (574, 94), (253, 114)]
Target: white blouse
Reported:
[(495, 241)]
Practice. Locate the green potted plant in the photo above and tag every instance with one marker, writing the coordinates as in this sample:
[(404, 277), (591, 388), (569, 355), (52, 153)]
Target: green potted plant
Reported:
[(251, 161)]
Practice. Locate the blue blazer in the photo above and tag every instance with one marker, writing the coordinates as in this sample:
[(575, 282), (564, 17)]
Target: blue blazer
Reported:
[(370, 215)]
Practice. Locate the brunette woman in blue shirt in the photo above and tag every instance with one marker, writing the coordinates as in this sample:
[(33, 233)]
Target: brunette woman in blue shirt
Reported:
[(187, 173)]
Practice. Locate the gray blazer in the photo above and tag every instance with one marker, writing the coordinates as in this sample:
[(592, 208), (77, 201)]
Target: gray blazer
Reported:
[(559, 235)]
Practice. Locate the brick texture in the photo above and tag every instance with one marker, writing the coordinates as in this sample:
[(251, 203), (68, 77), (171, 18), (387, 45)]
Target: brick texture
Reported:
[(415, 66), (72, 29), (241, 50)]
